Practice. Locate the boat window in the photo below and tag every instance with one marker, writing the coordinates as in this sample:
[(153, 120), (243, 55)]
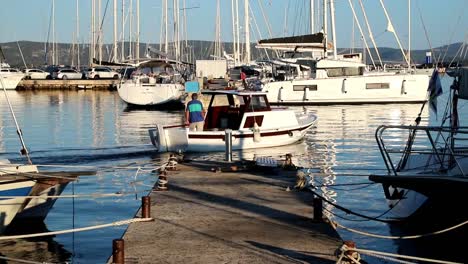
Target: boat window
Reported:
[(258, 103), (377, 85), (220, 100), (312, 87), (4, 70), (348, 71)]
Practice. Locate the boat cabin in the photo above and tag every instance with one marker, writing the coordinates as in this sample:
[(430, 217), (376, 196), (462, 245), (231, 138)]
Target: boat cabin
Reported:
[(226, 109)]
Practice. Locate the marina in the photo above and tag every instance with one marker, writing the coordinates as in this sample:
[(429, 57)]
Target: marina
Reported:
[(242, 131)]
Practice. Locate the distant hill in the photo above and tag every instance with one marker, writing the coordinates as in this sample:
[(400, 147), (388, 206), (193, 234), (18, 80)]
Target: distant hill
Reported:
[(34, 52)]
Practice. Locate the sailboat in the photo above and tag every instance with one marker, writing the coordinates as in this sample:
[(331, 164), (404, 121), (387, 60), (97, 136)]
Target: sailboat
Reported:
[(430, 178), (17, 181), (10, 76), (336, 79)]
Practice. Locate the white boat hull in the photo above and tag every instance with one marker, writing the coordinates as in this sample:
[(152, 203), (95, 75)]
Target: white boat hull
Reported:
[(9, 207), (378, 88), (183, 140), (38, 208), (10, 80), (150, 94)]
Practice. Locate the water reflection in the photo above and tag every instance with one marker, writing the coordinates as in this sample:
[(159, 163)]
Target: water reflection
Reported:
[(44, 249)]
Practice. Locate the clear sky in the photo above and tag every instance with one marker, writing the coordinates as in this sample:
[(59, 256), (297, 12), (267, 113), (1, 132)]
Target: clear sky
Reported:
[(445, 21)]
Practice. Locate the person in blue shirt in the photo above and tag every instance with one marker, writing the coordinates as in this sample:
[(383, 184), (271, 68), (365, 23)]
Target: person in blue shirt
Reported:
[(195, 114)]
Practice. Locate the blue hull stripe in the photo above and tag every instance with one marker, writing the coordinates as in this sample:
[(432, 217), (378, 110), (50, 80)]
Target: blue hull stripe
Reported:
[(15, 192)]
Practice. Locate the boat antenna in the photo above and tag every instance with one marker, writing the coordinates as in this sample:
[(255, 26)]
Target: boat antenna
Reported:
[(24, 150)]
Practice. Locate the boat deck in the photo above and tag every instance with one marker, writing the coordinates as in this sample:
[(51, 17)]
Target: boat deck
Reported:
[(235, 216)]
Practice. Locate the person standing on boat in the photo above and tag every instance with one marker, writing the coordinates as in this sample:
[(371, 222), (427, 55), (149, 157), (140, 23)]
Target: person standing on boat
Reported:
[(195, 114)]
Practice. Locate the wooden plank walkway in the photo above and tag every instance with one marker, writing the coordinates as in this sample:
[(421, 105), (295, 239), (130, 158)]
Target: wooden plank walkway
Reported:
[(230, 217)]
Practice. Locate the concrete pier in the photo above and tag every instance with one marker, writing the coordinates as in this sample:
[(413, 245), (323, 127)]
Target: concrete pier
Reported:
[(100, 84), (236, 215)]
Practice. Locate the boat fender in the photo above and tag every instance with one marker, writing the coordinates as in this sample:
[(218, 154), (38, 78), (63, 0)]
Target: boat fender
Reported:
[(257, 137), (290, 133)]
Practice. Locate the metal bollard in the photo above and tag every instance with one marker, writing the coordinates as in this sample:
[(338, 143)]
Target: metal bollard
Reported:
[(228, 142), (145, 207), (118, 252), (318, 208)]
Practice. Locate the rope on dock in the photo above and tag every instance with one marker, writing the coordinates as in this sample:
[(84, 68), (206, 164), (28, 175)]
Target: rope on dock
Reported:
[(91, 195), (385, 255), (81, 229), (400, 237), (348, 211)]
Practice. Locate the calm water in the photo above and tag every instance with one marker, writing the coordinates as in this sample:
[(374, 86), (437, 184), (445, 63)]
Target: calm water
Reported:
[(88, 128)]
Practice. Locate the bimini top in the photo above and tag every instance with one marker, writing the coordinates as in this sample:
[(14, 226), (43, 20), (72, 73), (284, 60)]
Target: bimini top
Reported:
[(233, 92)]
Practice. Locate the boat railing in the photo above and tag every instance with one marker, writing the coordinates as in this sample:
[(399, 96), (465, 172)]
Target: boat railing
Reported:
[(436, 148)]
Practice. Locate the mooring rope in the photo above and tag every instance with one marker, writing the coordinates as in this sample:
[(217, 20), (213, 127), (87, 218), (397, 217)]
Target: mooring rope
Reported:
[(400, 237), (81, 229), (348, 211), (91, 195), (389, 256)]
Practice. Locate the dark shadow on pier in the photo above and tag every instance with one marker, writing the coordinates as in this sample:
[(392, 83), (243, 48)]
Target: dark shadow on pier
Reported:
[(300, 256)]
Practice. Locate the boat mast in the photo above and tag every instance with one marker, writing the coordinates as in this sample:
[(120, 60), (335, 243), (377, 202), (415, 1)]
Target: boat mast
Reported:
[(237, 31), (99, 31), (247, 32), (234, 46), (332, 17), (78, 34), (130, 29), (114, 57), (93, 25), (392, 29), (166, 23), (325, 28), (312, 17), (54, 62), (24, 150), (409, 35), (217, 52), (122, 52), (137, 48)]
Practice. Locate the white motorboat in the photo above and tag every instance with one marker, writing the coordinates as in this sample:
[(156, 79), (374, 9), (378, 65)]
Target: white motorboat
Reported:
[(428, 178), (154, 83), (10, 78), (254, 124)]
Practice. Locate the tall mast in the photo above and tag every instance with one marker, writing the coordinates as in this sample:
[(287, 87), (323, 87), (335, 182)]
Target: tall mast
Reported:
[(130, 29), (325, 28), (114, 57), (77, 34), (392, 29), (137, 48), (312, 17), (54, 62), (166, 23), (234, 46), (99, 31), (409, 34), (217, 51), (93, 31), (247, 32), (237, 31), (332, 16), (122, 51)]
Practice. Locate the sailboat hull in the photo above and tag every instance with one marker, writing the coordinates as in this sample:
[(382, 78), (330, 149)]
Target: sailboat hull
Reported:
[(9, 207), (377, 88), (10, 80)]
